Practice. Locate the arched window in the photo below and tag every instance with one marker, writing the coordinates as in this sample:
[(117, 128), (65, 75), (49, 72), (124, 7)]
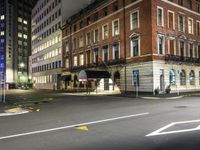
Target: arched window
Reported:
[(182, 77), (172, 77), (192, 78)]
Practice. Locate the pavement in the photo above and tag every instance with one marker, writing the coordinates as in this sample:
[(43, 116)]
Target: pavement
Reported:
[(18, 101), (72, 122)]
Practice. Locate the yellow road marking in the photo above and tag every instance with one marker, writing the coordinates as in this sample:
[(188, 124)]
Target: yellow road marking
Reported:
[(83, 128)]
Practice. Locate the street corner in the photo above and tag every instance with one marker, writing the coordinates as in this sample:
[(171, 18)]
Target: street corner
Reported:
[(13, 111)]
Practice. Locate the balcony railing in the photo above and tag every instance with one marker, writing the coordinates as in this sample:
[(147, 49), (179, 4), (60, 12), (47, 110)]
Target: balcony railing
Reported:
[(181, 59), (98, 65)]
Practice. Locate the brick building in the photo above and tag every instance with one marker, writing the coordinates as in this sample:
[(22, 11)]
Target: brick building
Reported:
[(151, 44)]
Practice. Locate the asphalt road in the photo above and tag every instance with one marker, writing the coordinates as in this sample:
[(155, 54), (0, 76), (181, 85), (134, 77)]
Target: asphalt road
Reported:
[(113, 123)]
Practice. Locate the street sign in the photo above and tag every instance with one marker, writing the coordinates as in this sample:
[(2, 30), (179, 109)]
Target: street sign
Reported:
[(136, 78)]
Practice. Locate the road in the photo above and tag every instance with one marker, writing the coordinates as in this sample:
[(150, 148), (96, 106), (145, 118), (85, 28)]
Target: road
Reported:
[(105, 123)]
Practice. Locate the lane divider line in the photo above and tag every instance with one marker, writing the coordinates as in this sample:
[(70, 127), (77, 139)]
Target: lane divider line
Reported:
[(72, 126)]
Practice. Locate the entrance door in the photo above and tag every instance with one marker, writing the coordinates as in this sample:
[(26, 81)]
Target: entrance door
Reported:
[(162, 86), (106, 84)]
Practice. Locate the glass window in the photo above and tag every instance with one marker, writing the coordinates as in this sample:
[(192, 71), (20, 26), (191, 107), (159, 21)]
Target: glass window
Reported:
[(191, 48), (75, 43), (192, 78), (115, 27), (160, 17), (161, 44), (135, 20), (172, 77), (2, 17), (81, 41), (181, 23), (190, 26), (67, 45), (81, 59), (96, 36), (198, 28), (105, 53), (135, 47), (115, 51), (88, 38), (171, 46), (96, 55), (75, 61), (105, 31), (67, 63), (182, 77)]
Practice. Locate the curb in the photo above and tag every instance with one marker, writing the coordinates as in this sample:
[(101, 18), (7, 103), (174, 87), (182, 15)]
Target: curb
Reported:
[(159, 98), (14, 112)]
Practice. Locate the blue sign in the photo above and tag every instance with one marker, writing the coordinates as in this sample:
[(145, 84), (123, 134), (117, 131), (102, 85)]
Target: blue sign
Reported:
[(136, 78)]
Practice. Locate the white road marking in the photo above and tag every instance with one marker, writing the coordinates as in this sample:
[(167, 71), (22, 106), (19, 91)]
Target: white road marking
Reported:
[(73, 126), (161, 130)]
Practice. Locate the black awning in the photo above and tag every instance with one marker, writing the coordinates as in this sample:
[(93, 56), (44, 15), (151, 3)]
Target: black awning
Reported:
[(90, 74), (66, 78)]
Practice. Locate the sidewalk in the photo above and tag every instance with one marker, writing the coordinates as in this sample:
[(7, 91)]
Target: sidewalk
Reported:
[(130, 95), (8, 110)]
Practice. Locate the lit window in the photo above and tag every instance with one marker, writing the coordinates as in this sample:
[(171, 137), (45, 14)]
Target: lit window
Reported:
[(81, 59), (19, 19), (2, 33), (105, 31), (172, 77), (25, 36), (25, 22), (2, 17), (67, 63), (75, 61), (190, 26), (115, 27), (20, 35)]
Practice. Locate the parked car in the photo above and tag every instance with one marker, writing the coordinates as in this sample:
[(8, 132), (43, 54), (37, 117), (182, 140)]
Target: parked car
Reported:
[(24, 87)]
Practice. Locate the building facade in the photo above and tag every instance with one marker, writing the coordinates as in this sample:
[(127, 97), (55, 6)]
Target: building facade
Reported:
[(144, 45), (46, 44), (15, 40), (47, 18)]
